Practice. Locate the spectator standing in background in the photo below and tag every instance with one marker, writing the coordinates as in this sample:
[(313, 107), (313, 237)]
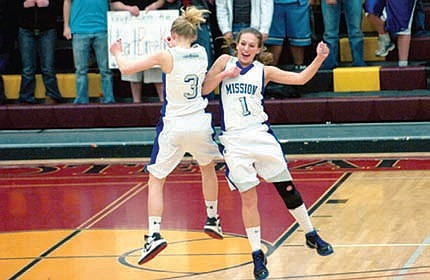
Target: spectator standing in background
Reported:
[(235, 15), (376, 14), (331, 12), (291, 19), (8, 32), (419, 22), (37, 37), (85, 22), (152, 75), (400, 14)]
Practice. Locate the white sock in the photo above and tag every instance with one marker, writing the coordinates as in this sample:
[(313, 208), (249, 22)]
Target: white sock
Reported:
[(302, 217), (211, 208), (154, 224), (403, 63), (385, 37), (254, 238)]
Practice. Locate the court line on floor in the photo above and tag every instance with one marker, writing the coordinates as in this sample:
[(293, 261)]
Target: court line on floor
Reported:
[(311, 210), (85, 225), (414, 257), (142, 160), (364, 274), (386, 245), (113, 206)]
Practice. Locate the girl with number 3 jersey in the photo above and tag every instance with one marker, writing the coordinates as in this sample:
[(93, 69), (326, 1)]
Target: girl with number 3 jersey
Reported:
[(184, 125)]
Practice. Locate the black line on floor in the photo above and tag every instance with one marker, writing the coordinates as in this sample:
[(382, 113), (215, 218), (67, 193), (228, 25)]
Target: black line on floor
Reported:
[(45, 254)]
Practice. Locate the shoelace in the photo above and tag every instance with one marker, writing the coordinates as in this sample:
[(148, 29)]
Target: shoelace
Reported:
[(320, 243)]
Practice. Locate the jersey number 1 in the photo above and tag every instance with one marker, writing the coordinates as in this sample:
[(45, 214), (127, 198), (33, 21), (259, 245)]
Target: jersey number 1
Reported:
[(245, 111)]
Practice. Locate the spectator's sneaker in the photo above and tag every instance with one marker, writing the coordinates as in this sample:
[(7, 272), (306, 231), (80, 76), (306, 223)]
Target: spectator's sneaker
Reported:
[(299, 68), (153, 245), (314, 241), (384, 47), (213, 228), (260, 269)]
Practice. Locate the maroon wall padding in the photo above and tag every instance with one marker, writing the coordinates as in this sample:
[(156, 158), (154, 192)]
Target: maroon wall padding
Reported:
[(357, 110), (427, 14), (287, 111), (77, 116), (424, 110), (27, 116), (419, 50), (297, 110), (403, 78), (403, 110)]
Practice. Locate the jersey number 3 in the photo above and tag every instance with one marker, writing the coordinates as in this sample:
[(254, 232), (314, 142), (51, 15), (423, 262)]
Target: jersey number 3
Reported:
[(193, 81)]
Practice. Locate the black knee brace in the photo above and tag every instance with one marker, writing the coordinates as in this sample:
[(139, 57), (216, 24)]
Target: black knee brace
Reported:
[(289, 194)]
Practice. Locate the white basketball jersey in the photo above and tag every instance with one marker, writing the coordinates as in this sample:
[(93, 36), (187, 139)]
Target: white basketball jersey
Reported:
[(242, 98), (183, 85)]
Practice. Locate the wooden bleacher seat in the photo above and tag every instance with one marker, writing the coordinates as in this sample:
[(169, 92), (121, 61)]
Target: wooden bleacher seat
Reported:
[(66, 85), (403, 78)]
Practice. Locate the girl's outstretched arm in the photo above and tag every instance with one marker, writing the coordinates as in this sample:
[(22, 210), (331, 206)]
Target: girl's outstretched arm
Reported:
[(129, 66), (277, 75)]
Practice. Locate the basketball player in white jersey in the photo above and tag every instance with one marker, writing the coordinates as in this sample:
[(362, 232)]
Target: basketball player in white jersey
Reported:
[(250, 147), (184, 125)]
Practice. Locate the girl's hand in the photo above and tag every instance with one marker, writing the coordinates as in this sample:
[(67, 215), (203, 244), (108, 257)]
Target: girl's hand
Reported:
[(170, 41), (232, 72), (322, 50)]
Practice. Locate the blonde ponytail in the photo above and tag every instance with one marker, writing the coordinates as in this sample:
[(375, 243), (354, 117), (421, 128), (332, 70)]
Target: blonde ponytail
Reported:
[(187, 23)]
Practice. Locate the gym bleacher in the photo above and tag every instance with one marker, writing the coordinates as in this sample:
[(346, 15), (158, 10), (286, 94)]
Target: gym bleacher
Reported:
[(378, 108)]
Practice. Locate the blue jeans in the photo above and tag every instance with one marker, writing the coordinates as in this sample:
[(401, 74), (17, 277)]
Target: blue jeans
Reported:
[(4, 58), (204, 39), (32, 43), (82, 44), (419, 21), (353, 16)]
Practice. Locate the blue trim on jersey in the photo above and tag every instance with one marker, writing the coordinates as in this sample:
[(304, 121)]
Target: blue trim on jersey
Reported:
[(221, 110), (244, 70), (220, 147), (271, 132), (163, 108), (227, 172), (156, 147), (263, 88)]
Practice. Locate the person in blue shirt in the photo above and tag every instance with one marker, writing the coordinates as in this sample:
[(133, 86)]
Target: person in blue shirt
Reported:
[(291, 19), (85, 22)]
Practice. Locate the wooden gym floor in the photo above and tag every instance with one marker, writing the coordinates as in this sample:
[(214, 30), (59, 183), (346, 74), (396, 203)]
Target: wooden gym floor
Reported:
[(80, 219)]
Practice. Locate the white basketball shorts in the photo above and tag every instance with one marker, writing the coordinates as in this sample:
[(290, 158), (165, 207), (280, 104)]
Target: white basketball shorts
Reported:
[(251, 154), (177, 136)]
